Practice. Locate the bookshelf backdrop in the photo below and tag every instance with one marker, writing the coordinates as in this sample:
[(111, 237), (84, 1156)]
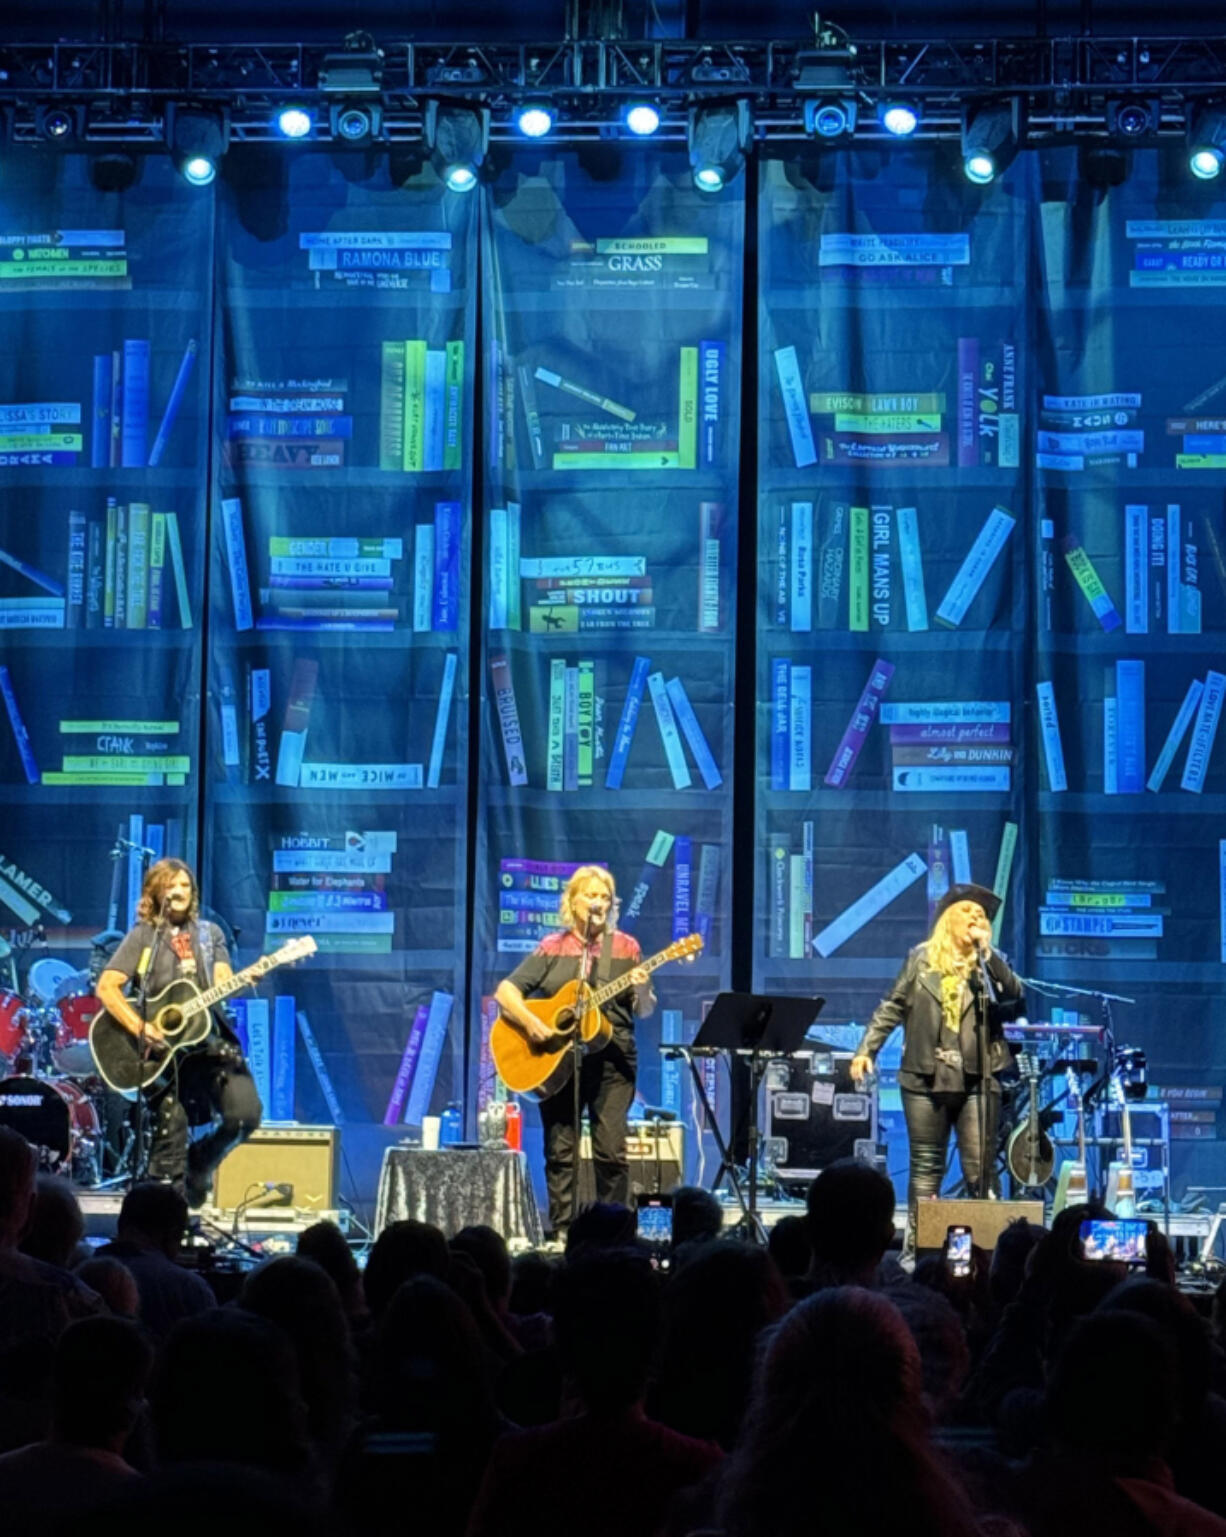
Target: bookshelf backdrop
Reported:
[(990, 567), (612, 308), (237, 436)]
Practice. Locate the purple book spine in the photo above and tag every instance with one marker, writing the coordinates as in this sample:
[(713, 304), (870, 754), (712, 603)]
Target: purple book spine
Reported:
[(968, 402), (446, 615), (412, 1050), (858, 726)]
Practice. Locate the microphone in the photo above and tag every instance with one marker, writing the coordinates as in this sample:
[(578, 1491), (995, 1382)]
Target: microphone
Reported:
[(274, 1193)]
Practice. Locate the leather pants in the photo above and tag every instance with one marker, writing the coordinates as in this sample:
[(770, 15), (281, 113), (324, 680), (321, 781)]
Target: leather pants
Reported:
[(930, 1119)]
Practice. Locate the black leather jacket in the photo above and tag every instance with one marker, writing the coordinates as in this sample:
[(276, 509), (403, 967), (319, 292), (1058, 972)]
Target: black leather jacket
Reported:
[(914, 1002)]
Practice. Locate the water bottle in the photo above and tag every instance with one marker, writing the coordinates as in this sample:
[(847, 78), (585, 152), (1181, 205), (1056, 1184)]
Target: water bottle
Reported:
[(451, 1129), (515, 1126)]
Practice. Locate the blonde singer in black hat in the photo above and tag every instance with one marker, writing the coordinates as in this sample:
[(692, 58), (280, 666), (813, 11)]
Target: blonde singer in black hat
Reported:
[(934, 999)]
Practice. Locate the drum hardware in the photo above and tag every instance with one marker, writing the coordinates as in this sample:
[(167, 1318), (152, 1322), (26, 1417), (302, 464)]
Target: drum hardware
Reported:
[(58, 1118)]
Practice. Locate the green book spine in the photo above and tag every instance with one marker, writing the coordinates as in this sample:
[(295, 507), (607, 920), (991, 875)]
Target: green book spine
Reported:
[(687, 413), (453, 424), (175, 545), (157, 569), (138, 566), (414, 406), (587, 723), (112, 541), (859, 564), (391, 408)]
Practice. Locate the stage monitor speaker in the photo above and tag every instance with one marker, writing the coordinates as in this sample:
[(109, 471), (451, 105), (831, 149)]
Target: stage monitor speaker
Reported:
[(657, 1159), (303, 1157), (986, 1220)]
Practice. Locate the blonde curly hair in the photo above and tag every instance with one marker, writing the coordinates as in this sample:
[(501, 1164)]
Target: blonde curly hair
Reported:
[(581, 877)]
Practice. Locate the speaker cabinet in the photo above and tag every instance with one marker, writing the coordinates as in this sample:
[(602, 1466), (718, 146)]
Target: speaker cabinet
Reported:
[(986, 1220), (303, 1157), (657, 1159)]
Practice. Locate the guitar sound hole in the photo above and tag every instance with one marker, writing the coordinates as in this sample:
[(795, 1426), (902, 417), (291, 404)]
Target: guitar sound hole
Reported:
[(564, 1024), (171, 1020)]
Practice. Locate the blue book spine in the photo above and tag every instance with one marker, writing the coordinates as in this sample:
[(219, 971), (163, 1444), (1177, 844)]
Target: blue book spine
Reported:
[(155, 840), (671, 1026), (134, 414), (711, 374), (136, 841), (100, 431), (238, 1008), (781, 717), (174, 403), (446, 597), (236, 559), (692, 731), (708, 890), (422, 1089), (284, 1035), (288, 427), (625, 726), (1130, 727), (322, 1076), (29, 763), (683, 859)]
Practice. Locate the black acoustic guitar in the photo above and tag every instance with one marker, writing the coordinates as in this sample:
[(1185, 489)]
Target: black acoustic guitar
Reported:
[(1029, 1152), (182, 1012)]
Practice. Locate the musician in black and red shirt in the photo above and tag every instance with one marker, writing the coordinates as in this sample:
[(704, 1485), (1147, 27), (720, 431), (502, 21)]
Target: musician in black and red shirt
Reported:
[(589, 944), (206, 1085)]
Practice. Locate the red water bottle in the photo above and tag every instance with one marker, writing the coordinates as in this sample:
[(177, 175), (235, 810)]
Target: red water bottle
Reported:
[(515, 1126)]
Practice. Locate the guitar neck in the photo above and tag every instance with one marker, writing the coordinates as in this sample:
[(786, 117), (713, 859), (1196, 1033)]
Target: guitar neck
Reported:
[(610, 990), (1081, 1136), (235, 984)]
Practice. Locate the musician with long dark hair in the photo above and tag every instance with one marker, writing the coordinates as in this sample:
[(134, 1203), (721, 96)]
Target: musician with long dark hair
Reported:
[(589, 945), (936, 998), (206, 1084)]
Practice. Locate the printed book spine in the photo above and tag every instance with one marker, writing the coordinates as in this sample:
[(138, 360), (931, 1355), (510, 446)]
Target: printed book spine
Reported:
[(802, 567), (236, 559), (692, 731), (670, 737), (135, 410), (781, 696), (442, 714), (800, 713), (865, 908), (628, 721), (174, 404), (555, 745), (508, 719), (1179, 727)]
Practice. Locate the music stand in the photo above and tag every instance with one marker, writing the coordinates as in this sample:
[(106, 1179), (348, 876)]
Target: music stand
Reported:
[(759, 1027)]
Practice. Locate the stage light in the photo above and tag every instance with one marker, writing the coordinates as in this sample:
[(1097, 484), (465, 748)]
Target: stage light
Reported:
[(642, 119), (197, 139), (355, 124), (294, 122), (457, 138), (718, 135), (59, 123), (989, 139), (1207, 143), (833, 117), (1133, 118), (899, 118), (534, 120)]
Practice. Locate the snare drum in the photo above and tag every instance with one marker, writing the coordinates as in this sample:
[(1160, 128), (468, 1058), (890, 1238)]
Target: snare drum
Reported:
[(56, 1118), (46, 976), (71, 1053), (12, 1025)]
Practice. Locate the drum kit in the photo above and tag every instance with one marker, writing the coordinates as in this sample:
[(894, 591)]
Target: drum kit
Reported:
[(50, 1092)]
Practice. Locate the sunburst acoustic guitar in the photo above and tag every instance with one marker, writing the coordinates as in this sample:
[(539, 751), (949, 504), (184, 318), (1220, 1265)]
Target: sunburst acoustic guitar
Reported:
[(541, 1069)]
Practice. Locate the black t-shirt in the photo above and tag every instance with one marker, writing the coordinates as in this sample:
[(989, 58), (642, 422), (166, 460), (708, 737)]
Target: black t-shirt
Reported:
[(203, 944), (556, 961)]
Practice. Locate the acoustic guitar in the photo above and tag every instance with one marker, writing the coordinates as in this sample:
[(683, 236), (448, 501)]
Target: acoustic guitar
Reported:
[(1072, 1188), (1029, 1153), (182, 1013), (542, 1068), (1121, 1186)]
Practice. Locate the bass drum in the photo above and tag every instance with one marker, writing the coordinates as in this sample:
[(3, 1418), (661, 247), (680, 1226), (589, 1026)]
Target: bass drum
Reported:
[(13, 1015), (57, 1119), (71, 1053)]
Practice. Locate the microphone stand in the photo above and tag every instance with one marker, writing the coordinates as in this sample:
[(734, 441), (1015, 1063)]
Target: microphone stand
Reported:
[(140, 1151), (985, 996), (576, 1047)]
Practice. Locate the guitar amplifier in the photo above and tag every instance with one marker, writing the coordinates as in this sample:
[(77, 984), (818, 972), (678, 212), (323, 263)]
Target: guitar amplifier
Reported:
[(656, 1150), (816, 1115), (987, 1220), (303, 1157)]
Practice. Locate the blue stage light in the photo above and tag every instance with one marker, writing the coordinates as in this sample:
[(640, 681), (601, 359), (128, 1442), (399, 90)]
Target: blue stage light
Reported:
[(642, 119), (534, 120), (294, 122), (899, 118)]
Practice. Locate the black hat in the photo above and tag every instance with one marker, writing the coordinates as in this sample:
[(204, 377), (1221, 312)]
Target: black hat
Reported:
[(969, 892)]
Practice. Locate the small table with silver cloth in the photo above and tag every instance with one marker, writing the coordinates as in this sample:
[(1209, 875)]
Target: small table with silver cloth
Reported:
[(454, 1187)]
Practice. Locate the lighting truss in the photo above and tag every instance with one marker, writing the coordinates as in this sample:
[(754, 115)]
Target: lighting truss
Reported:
[(1063, 85)]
